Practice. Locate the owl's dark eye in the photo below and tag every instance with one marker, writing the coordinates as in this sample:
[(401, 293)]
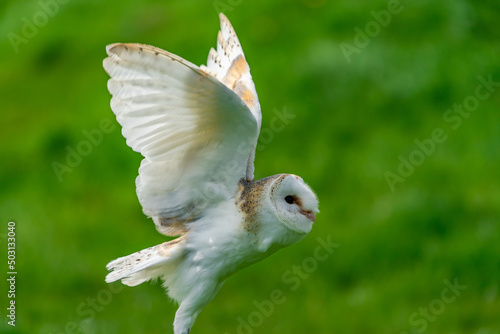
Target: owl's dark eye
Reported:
[(289, 199)]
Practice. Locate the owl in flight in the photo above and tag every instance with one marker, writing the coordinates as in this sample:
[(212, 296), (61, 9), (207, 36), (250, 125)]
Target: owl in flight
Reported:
[(197, 128)]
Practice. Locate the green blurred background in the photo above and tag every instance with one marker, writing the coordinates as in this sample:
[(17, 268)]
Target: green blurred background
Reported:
[(354, 120)]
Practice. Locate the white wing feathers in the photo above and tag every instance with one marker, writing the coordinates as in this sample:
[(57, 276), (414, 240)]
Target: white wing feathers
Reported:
[(196, 131)]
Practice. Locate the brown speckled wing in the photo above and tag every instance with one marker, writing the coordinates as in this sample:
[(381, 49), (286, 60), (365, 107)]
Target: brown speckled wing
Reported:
[(228, 64)]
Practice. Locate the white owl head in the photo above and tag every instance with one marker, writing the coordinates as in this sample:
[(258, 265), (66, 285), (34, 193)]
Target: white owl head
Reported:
[(294, 203)]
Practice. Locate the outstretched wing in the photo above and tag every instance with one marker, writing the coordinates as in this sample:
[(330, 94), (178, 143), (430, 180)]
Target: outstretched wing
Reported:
[(195, 133), (228, 64)]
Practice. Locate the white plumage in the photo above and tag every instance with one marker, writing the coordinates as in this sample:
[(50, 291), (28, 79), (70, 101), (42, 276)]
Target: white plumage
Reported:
[(197, 128)]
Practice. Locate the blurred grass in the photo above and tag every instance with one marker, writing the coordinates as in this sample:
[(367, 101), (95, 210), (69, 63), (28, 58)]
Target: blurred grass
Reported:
[(353, 120)]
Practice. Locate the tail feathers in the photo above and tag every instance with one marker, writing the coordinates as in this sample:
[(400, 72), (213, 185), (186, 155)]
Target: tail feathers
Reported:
[(146, 264)]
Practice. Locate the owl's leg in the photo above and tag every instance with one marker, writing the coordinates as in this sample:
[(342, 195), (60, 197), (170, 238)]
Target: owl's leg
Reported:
[(185, 316), (191, 306)]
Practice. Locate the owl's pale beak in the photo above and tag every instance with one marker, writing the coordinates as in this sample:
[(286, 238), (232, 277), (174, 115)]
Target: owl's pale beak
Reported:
[(309, 214)]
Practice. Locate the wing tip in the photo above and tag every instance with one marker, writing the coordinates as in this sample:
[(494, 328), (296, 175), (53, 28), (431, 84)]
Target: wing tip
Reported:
[(226, 26), (110, 47), (112, 50), (222, 17)]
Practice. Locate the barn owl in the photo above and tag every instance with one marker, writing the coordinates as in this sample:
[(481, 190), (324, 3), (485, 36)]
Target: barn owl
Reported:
[(197, 128)]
